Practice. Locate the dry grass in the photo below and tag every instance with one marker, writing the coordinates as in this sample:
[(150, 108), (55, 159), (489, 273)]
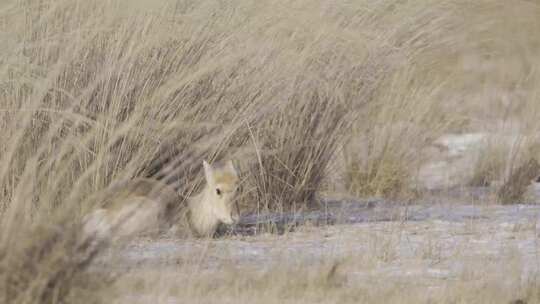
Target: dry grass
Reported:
[(507, 166), (393, 133), (514, 188), (295, 148), (96, 92), (482, 78), (492, 160)]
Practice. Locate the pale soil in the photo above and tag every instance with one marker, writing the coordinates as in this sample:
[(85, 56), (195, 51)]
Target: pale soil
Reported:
[(428, 253)]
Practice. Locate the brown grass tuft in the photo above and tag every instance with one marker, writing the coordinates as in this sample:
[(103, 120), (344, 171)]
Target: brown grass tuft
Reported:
[(514, 188)]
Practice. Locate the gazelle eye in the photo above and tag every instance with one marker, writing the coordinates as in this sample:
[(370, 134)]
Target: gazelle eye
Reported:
[(218, 191)]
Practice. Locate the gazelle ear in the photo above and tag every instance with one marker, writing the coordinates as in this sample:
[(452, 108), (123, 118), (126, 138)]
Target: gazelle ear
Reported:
[(231, 168), (208, 172)]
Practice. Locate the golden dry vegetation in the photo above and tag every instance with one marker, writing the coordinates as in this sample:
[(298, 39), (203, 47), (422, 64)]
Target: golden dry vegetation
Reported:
[(308, 96)]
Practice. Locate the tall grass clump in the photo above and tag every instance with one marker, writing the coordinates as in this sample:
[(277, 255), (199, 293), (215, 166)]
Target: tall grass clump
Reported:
[(92, 94), (510, 155), (295, 145), (522, 168), (456, 79), (515, 186), (385, 155), (385, 146), (491, 163), (339, 82)]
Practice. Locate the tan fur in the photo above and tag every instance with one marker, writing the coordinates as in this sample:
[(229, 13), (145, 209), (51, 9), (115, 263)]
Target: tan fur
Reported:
[(132, 208), (208, 209), (138, 207)]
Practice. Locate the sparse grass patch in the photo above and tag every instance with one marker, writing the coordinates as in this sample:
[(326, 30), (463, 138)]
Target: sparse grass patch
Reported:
[(509, 165), (386, 176), (386, 148), (514, 188), (491, 164)]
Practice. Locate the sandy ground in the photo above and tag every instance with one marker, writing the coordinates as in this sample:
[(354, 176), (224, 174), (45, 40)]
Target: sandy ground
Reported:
[(426, 246)]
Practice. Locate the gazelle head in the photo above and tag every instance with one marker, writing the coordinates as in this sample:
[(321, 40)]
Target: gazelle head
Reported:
[(221, 187)]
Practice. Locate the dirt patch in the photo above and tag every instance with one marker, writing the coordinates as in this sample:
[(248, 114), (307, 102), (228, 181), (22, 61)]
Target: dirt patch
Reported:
[(425, 249)]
